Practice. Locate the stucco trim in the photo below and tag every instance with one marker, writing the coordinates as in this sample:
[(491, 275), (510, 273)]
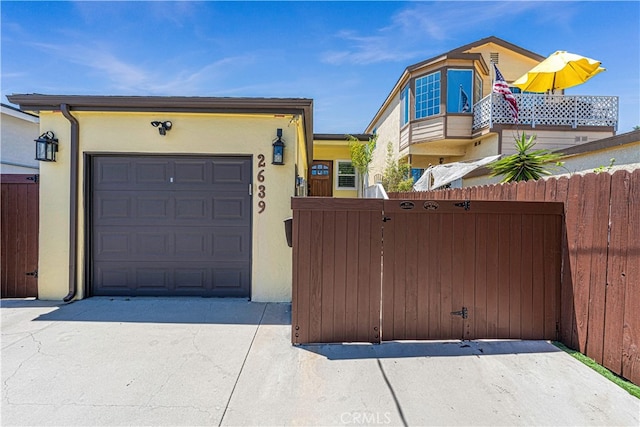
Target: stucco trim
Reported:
[(186, 104)]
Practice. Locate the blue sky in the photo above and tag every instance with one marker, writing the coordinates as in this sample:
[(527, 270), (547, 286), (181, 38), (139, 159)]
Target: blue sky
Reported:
[(345, 55)]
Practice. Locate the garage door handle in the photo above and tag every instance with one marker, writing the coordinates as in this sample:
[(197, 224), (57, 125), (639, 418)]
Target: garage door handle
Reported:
[(33, 273)]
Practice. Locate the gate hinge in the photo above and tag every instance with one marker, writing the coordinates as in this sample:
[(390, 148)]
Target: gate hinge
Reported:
[(464, 313), (466, 205), (33, 273), (34, 178)]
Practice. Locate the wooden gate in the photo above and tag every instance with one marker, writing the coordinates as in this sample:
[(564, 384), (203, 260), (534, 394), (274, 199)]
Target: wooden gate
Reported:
[(470, 270), (450, 270), (19, 253)]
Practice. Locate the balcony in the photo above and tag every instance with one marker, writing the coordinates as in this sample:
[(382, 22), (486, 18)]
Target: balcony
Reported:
[(547, 110)]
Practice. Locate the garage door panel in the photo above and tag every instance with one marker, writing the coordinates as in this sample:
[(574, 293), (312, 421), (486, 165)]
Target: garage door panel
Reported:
[(152, 172), (171, 226), (231, 172), (172, 278), (113, 172)]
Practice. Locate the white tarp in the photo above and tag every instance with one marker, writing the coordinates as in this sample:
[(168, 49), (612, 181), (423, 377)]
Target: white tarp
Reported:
[(439, 175)]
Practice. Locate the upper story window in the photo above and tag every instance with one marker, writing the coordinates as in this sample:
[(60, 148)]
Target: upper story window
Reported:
[(428, 95), (459, 91), (477, 88), (404, 105)]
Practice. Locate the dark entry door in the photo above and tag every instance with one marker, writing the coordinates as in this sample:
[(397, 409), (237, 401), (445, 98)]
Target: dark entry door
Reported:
[(321, 180), (19, 246), (171, 226)]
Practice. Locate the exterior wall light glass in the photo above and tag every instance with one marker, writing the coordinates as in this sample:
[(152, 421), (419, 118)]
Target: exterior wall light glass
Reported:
[(278, 150), (46, 147)]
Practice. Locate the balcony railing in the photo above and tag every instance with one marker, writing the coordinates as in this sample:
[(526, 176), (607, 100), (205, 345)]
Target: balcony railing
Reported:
[(549, 110)]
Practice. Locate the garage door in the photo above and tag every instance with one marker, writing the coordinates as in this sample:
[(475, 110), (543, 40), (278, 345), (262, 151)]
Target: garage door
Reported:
[(170, 226)]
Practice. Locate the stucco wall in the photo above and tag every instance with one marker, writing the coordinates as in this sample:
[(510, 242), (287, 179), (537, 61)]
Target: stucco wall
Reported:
[(626, 154), (205, 134), (18, 149), (388, 130), (335, 150)]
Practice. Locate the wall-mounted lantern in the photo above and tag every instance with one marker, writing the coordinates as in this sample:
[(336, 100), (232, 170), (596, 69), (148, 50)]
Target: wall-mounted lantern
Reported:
[(163, 127), (46, 147), (278, 150)]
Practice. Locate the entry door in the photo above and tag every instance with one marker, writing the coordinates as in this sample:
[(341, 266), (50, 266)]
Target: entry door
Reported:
[(321, 181), (19, 236), (171, 226)]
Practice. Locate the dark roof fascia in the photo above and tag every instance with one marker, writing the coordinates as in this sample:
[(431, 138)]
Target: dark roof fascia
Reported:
[(303, 106), (602, 144), (18, 110), (340, 136), (499, 42)]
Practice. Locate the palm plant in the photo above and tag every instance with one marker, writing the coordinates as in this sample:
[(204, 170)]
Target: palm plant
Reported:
[(526, 164)]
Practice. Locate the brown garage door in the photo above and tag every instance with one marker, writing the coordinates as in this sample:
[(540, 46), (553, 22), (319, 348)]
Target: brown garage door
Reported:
[(170, 226)]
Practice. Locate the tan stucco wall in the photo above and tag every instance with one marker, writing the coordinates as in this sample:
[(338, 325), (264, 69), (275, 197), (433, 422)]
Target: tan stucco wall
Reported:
[(17, 145), (388, 130), (334, 150), (511, 64), (585, 162), (205, 134)]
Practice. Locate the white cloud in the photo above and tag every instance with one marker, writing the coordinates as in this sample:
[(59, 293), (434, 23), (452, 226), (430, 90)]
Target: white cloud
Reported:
[(419, 29), (131, 78)]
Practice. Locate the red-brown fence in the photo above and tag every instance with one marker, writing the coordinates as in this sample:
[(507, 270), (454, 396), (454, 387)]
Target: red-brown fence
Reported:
[(19, 253), (444, 270), (600, 298)]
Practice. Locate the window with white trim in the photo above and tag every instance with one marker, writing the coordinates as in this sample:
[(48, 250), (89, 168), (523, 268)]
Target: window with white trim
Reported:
[(345, 175)]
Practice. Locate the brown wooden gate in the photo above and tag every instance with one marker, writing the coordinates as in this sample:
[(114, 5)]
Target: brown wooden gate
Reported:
[(470, 270), (19, 253), (450, 270)]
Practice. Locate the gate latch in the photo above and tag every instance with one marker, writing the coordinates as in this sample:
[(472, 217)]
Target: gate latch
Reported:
[(466, 205), (463, 313), (33, 273)]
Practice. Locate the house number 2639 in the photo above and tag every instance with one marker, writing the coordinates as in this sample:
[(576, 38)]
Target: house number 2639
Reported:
[(262, 189)]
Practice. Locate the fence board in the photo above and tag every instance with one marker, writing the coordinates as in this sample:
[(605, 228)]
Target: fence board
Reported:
[(480, 288), (631, 337), (340, 278), (538, 250), (598, 269), (616, 271)]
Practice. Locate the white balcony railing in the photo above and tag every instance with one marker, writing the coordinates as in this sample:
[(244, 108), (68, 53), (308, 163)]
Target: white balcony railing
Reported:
[(550, 110)]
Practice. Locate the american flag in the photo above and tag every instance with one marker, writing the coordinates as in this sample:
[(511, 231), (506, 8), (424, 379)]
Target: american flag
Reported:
[(500, 86), (464, 101)]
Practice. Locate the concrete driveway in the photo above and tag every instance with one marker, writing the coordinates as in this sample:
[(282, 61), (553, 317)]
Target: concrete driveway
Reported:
[(198, 361)]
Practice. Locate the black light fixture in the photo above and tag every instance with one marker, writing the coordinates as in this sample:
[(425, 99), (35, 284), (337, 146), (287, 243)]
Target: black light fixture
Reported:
[(163, 127), (278, 149), (46, 147)]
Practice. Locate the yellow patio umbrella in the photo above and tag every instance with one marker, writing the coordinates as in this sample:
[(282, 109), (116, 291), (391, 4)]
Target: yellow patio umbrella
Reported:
[(560, 70)]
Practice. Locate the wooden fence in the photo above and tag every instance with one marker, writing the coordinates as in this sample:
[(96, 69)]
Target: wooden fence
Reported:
[(19, 253), (600, 296)]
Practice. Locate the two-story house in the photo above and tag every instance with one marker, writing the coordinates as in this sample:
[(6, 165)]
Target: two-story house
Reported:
[(443, 110)]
